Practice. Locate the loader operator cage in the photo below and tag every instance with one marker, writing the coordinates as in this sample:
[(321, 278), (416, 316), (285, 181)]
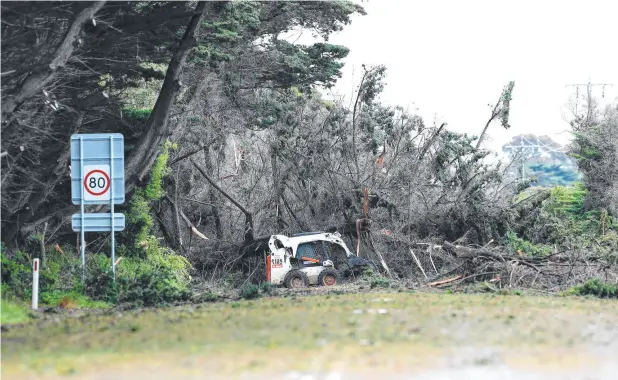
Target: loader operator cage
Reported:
[(321, 250)]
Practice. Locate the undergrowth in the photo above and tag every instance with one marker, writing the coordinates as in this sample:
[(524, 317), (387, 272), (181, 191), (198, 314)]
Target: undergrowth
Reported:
[(595, 287)]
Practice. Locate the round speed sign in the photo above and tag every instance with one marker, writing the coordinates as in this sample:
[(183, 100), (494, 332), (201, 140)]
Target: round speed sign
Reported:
[(96, 182)]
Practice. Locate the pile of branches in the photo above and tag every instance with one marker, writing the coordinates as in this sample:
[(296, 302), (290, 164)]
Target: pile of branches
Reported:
[(452, 265)]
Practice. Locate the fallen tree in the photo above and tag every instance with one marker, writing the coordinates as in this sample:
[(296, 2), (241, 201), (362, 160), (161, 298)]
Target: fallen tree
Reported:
[(504, 269)]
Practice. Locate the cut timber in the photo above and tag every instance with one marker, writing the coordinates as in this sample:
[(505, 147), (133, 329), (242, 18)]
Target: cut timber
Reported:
[(442, 282)]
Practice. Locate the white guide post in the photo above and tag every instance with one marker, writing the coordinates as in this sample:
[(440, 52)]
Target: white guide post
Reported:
[(35, 284)]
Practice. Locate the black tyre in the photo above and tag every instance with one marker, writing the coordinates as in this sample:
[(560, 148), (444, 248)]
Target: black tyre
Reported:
[(296, 279), (328, 277)]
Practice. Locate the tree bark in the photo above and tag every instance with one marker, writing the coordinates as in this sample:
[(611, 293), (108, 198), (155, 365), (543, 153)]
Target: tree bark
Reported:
[(214, 199), (157, 129), (41, 77), (277, 189)]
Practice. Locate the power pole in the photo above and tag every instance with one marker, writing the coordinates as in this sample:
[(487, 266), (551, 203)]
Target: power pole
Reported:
[(528, 149), (589, 87)]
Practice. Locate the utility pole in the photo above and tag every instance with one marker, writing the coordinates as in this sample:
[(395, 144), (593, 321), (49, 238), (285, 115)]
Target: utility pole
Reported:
[(589, 87), (529, 149)]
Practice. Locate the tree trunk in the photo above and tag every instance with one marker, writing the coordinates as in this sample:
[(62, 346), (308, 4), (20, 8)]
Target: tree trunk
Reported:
[(276, 189), (144, 154), (42, 76), (214, 199)]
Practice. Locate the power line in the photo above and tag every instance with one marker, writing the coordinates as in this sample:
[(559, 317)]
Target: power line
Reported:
[(537, 148), (589, 87)]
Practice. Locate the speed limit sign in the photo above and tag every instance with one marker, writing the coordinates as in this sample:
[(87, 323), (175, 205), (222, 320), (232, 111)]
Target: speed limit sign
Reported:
[(96, 182)]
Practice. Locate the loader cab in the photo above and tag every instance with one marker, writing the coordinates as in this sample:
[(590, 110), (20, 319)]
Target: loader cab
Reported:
[(311, 254), (316, 252)]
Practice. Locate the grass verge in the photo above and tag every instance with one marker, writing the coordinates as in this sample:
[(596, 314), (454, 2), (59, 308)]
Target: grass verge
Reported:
[(14, 312)]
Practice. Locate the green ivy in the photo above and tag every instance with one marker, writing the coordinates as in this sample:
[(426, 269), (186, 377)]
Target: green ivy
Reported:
[(154, 190)]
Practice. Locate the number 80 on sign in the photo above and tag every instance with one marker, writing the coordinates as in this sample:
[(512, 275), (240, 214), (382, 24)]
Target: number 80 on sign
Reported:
[(96, 182)]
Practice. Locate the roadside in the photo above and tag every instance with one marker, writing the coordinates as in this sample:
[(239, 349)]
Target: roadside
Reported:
[(339, 335)]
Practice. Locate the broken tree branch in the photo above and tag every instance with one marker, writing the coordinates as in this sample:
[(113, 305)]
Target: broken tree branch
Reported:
[(248, 216), (442, 282), (430, 251), (187, 220), (462, 252), (418, 263)]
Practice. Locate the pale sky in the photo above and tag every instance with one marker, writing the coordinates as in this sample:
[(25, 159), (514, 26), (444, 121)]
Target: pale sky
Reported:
[(452, 58)]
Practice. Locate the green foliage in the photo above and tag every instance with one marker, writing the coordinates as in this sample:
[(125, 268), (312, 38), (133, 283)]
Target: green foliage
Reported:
[(59, 281), (515, 243), (376, 280), (71, 300), (567, 201), (139, 217), (137, 114), (595, 287), (139, 98), (562, 219), (154, 190), (16, 273), (505, 109), (162, 277), (150, 273), (303, 66)]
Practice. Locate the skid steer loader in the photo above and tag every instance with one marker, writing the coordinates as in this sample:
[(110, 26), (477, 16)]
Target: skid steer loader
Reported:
[(310, 258)]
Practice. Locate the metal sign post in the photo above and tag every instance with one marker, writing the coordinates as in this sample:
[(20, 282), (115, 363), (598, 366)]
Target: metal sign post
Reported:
[(111, 203), (99, 180)]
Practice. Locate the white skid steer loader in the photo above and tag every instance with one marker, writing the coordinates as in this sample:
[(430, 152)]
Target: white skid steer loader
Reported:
[(310, 258)]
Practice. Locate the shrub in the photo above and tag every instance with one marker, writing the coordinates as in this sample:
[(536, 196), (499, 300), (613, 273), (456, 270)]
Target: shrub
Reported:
[(250, 291), (16, 274), (377, 281), (162, 277), (595, 287)]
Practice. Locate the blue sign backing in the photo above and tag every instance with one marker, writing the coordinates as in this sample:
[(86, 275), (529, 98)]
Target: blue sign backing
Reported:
[(96, 150)]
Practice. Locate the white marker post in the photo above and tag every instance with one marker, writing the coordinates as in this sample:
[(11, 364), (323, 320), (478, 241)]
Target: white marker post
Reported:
[(35, 284)]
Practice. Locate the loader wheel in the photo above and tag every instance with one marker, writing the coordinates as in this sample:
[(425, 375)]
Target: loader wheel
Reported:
[(328, 277), (296, 279)]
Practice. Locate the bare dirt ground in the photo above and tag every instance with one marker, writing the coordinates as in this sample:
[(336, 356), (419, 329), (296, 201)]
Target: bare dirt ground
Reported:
[(330, 336)]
